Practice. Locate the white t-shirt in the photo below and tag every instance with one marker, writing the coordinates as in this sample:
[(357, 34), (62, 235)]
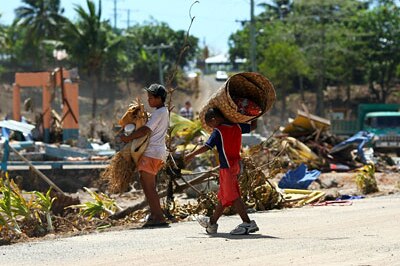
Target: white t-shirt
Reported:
[(158, 123)]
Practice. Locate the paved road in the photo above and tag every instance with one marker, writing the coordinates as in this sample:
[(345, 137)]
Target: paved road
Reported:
[(208, 86), (365, 233)]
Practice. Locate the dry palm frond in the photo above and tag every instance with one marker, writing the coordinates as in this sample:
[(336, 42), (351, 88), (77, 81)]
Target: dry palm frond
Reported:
[(299, 153), (119, 173), (365, 179), (257, 192), (183, 127)]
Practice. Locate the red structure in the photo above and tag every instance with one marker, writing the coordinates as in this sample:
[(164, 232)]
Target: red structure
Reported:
[(49, 81)]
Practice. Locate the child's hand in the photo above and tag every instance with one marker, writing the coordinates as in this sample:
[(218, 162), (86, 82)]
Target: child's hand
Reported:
[(124, 138), (187, 158)]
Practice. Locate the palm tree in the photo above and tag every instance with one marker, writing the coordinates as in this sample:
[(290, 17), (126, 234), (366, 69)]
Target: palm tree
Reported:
[(3, 36), (88, 42), (42, 19), (276, 9)]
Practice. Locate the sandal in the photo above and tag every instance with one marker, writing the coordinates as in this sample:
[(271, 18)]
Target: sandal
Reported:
[(152, 223)]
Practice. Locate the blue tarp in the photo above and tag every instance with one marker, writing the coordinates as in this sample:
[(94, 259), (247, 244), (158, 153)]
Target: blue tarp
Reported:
[(299, 178), (359, 139)]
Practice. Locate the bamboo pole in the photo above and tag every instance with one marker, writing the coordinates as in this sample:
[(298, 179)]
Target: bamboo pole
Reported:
[(40, 174)]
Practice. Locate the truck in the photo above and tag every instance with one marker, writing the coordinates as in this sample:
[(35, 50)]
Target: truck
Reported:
[(383, 120)]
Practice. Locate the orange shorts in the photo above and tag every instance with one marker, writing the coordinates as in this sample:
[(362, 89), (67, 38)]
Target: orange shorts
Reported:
[(229, 189), (150, 165)]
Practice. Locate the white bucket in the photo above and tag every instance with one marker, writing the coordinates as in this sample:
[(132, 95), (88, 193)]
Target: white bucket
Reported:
[(129, 128)]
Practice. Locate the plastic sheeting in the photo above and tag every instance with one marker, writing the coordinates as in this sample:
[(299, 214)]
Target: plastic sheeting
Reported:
[(359, 139), (299, 178)]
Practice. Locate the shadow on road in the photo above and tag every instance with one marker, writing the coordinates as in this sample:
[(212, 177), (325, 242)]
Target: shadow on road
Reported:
[(250, 236), (229, 236)]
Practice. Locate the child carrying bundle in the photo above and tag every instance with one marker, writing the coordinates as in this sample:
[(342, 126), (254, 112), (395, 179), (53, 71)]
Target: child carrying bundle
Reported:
[(122, 166)]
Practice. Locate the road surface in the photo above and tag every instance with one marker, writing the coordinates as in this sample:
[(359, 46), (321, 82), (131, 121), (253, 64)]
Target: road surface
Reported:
[(208, 86), (365, 233)]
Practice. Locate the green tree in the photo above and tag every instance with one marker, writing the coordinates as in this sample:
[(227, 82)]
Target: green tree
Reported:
[(42, 20), (3, 51), (42, 17), (15, 52), (141, 42), (276, 10), (2, 35), (88, 42), (266, 23), (321, 29), (319, 24), (379, 43), (282, 63), (239, 45)]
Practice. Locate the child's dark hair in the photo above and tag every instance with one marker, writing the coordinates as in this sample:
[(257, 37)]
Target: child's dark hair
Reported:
[(163, 98), (213, 113)]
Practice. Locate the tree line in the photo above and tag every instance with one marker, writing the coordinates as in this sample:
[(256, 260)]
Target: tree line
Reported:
[(105, 56), (312, 44), (300, 45)]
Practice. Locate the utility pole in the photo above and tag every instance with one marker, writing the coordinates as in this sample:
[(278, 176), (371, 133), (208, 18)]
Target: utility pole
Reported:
[(252, 38), (128, 22), (128, 16), (115, 14), (159, 48)]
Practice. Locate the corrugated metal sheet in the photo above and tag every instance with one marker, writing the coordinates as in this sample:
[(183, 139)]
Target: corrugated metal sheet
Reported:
[(25, 128)]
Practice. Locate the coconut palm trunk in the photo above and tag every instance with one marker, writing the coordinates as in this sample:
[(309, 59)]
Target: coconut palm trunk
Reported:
[(95, 86)]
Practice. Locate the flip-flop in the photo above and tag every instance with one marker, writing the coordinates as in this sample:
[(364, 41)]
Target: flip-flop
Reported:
[(151, 223)]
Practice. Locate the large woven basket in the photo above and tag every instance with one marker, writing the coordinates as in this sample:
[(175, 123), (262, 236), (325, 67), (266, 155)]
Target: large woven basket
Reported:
[(249, 85)]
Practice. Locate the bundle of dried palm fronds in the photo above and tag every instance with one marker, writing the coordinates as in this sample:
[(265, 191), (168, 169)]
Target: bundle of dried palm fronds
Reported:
[(299, 153), (257, 192), (119, 173)]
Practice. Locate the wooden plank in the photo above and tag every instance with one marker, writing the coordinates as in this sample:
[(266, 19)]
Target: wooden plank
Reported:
[(40, 174)]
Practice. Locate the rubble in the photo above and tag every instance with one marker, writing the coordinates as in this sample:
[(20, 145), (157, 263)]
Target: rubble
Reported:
[(305, 142)]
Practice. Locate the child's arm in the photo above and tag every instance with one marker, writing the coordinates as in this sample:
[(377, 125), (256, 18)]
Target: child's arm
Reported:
[(253, 125), (140, 132), (191, 155)]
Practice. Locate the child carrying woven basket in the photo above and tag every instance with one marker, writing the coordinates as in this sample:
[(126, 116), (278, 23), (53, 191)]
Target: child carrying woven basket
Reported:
[(228, 139)]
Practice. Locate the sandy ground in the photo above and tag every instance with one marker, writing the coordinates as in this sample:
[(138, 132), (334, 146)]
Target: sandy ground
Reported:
[(364, 233)]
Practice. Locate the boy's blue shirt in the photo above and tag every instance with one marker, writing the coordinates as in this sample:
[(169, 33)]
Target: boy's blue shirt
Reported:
[(228, 139)]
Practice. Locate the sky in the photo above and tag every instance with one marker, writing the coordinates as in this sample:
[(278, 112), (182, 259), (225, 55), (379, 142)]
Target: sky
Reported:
[(214, 20)]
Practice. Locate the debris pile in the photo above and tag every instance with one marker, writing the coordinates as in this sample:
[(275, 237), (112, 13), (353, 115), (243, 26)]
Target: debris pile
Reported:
[(275, 171)]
